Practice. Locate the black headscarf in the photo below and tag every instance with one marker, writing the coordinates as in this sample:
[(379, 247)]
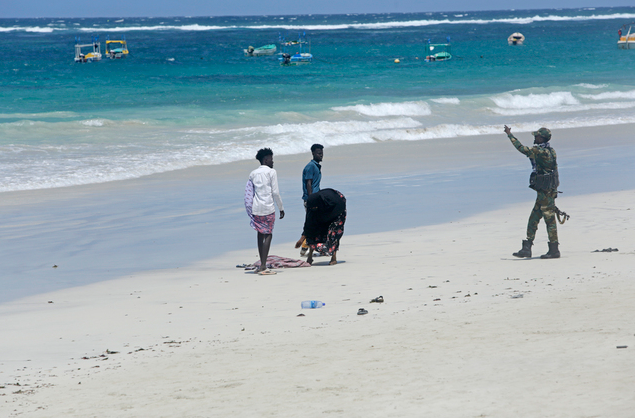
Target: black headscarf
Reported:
[(322, 208)]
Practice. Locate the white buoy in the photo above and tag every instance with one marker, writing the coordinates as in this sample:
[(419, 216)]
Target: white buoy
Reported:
[(397, 61)]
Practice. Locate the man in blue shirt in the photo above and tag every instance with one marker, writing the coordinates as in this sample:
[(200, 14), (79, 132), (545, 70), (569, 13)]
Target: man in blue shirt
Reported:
[(311, 177)]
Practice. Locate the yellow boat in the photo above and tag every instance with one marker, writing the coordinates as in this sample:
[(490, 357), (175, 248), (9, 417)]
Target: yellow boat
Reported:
[(626, 41), (116, 48)]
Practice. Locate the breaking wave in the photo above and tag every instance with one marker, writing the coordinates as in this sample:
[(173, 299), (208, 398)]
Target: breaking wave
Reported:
[(447, 100), (458, 20), (388, 109), (610, 95)]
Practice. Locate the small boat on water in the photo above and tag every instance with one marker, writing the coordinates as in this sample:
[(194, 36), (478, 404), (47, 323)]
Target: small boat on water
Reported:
[(93, 55), (626, 41), (300, 56), (295, 59), (116, 49), (516, 38), (438, 52), (260, 51)]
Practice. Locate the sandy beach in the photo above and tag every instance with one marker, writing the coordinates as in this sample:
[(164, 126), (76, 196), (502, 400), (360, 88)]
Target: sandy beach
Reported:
[(466, 330)]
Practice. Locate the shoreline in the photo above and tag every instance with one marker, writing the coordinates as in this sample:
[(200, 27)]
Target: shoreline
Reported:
[(204, 336), (443, 148), (176, 219)]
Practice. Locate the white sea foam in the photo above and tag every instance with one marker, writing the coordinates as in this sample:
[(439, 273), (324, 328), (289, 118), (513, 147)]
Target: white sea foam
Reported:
[(169, 149), (509, 104), (447, 100), (454, 130), (534, 101), (388, 109), (377, 25), (611, 95), (99, 162), (188, 28), (93, 122), (564, 109), (591, 86), (28, 29), (576, 123), (423, 23), (320, 128), (45, 115)]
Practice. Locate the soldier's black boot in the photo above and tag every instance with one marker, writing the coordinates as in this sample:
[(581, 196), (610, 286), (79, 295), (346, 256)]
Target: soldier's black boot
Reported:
[(525, 252), (553, 251)]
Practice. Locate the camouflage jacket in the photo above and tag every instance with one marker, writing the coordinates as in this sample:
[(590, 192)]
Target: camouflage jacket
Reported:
[(544, 158)]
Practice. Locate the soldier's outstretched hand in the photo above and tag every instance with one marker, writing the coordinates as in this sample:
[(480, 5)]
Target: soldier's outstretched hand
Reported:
[(507, 130)]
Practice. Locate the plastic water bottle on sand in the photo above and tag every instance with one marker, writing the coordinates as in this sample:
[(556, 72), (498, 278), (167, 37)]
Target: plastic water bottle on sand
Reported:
[(312, 304)]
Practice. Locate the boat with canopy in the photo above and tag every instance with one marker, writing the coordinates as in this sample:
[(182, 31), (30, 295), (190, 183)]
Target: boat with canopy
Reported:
[(626, 41), (116, 49), (300, 56), (93, 55), (438, 52)]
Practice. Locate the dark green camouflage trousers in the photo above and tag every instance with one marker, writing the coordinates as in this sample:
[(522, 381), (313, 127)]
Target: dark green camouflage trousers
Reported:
[(545, 208)]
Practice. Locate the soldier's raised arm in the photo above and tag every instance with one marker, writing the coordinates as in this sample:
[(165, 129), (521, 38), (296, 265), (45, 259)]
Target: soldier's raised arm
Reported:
[(508, 130), (528, 151)]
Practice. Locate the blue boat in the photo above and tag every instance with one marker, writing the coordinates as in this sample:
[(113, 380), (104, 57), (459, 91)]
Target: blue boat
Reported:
[(300, 56)]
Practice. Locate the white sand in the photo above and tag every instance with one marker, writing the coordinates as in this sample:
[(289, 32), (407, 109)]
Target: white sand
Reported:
[(453, 339)]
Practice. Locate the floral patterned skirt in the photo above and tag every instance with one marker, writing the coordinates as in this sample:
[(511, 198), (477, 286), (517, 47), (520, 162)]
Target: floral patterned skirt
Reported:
[(331, 243), (264, 224)]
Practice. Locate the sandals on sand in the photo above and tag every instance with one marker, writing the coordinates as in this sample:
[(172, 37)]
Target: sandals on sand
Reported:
[(362, 311), (378, 299), (267, 272)]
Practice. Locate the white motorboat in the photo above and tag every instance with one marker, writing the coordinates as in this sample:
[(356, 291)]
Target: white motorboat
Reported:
[(93, 55), (516, 38)]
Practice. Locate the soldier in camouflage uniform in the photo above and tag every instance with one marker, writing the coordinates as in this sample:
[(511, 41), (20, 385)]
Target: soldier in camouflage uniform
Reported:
[(544, 180)]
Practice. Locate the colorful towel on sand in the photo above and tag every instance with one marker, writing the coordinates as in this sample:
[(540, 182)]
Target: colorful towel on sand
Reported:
[(275, 262)]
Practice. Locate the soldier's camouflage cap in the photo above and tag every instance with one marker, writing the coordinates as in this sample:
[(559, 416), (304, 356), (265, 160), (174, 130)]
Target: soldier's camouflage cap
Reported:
[(543, 132)]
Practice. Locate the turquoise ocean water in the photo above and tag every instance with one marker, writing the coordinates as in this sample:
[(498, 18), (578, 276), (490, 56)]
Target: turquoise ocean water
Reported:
[(188, 96)]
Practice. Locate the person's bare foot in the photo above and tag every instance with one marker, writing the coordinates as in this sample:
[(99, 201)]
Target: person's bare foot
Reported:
[(333, 260), (309, 258)]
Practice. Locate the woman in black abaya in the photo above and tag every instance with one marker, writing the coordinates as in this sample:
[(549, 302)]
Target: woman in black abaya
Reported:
[(324, 223)]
